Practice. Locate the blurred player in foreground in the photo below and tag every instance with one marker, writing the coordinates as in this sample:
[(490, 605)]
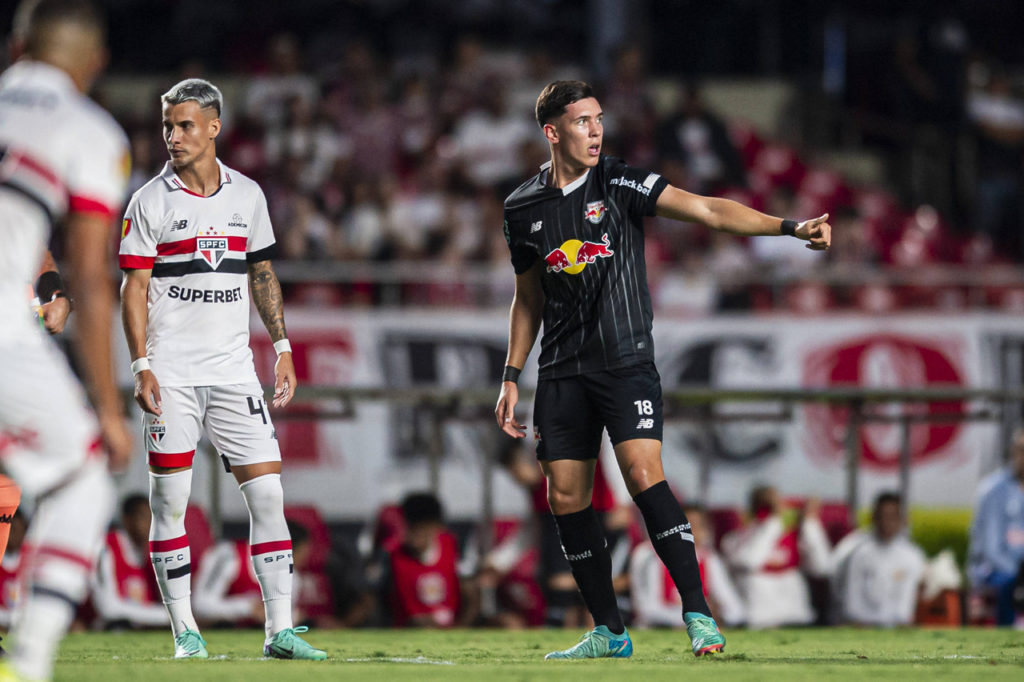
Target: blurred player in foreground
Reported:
[(576, 238), (62, 159), (195, 241)]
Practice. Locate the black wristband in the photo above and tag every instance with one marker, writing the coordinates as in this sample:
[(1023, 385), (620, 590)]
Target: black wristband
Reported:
[(47, 285), (511, 374), (789, 227)]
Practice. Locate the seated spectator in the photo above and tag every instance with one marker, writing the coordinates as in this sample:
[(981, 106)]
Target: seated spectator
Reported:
[(769, 560), (9, 588), (878, 572), (226, 591), (996, 551), (422, 584), (124, 590), (656, 601)]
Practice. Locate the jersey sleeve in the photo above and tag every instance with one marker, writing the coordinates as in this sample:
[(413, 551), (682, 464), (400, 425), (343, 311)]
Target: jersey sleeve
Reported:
[(523, 256), (261, 245), (98, 176), (139, 237), (637, 189)]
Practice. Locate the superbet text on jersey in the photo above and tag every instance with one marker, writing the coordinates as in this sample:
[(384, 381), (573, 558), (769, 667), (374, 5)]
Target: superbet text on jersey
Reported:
[(199, 249), (589, 234)]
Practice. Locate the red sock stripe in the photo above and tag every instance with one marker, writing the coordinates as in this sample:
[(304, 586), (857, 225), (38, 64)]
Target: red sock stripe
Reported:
[(168, 545), (267, 547), (46, 551), (171, 460)]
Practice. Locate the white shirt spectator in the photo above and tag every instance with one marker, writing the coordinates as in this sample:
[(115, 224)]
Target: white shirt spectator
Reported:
[(879, 581)]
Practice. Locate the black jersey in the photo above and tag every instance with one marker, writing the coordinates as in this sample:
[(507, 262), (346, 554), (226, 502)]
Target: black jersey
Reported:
[(597, 313)]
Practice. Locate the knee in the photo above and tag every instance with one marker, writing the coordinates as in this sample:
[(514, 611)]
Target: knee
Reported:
[(264, 495), (168, 494), (567, 500), (641, 476)]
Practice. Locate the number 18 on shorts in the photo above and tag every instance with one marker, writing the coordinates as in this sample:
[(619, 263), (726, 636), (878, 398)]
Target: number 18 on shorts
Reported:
[(570, 413)]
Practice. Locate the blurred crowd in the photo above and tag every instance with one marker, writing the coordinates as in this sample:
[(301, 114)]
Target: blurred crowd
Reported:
[(778, 562), (383, 163)]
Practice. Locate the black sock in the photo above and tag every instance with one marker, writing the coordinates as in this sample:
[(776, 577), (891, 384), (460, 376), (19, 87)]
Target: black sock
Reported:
[(666, 524), (584, 545)]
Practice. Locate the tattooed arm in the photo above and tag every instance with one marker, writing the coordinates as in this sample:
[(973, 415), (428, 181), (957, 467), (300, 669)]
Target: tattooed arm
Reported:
[(266, 294)]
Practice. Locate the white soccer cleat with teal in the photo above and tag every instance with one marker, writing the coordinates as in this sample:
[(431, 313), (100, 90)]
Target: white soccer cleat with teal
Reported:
[(598, 643), (287, 644), (190, 644)]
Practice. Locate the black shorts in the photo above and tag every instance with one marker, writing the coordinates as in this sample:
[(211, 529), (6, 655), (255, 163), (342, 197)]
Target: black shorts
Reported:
[(569, 414)]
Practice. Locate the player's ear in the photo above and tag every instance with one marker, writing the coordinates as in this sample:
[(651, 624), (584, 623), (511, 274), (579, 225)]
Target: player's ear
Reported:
[(551, 133), (214, 128)]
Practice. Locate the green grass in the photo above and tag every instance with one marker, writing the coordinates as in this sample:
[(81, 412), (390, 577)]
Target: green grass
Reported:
[(492, 655)]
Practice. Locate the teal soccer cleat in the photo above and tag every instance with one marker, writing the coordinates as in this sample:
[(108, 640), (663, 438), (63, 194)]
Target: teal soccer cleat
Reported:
[(705, 637), (288, 644), (190, 644), (598, 643)]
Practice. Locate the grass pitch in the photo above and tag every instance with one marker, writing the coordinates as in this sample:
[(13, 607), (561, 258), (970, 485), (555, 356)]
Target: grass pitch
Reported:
[(493, 655)]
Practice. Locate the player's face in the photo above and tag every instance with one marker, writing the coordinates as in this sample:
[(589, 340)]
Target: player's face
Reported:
[(189, 132), (579, 132)]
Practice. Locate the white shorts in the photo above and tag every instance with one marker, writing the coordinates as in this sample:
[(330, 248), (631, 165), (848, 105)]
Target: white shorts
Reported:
[(235, 417), (47, 430)]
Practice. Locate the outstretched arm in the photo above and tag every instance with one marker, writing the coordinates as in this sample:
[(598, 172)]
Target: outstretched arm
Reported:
[(266, 295), (730, 216), (523, 325)]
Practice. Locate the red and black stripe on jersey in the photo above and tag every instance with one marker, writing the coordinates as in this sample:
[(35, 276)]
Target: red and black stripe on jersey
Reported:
[(597, 310)]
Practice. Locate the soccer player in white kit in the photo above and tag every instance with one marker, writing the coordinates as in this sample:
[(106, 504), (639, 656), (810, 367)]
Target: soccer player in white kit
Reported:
[(63, 160), (195, 241)]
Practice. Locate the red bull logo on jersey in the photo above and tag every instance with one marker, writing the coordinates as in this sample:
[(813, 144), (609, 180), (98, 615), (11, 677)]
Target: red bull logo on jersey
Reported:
[(594, 212), (574, 255), (212, 249)]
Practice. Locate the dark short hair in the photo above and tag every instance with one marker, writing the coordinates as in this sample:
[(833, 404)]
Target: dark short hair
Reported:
[(887, 497), (759, 496), (556, 96), (35, 18), (133, 502), (421, 508)]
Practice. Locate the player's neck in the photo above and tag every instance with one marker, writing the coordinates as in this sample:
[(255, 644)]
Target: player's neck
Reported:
[(563, 172), (202, 176)]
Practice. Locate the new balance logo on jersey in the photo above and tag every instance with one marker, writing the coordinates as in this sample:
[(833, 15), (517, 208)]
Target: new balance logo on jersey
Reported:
[(645, 424), (535, 227), (212, 249), (179, 224)]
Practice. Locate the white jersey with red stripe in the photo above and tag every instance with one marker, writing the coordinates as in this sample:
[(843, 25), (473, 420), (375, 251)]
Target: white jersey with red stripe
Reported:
[(59, 153), (199, 249)]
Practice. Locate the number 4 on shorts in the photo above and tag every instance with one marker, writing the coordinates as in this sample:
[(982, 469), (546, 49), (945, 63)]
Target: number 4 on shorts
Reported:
[(256, 407)]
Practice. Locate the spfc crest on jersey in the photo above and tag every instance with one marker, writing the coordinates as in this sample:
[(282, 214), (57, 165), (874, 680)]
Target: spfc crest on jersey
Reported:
[(594, 212), (156, 430), (212, 249)]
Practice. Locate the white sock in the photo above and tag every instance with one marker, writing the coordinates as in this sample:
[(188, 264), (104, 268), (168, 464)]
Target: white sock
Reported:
[(168, 546), (63, 540), (271, 548)]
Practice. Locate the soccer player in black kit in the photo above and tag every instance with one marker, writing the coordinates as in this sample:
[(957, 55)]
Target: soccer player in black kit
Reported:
[(575, 232)]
